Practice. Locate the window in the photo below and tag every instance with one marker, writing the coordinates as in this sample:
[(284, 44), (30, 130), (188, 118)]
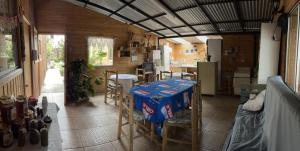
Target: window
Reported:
[(100, 51), (292, 75), (7, 52)]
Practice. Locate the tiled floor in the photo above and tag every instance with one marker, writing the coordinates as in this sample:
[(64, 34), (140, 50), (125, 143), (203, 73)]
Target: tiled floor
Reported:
[(93, 126)]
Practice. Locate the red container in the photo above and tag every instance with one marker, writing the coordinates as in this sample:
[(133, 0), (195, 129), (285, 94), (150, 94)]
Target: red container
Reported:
[(21, 106)]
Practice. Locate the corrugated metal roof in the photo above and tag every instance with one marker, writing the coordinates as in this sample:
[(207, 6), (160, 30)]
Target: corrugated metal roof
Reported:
[(170, 21), (229, 27), (166, 32), (148, 7), (193, 16), (177, 4), (75, 2), (131, 14), (255, 10), (208, 28), (252, 26), (184, 30), (151, 24), (213, 1), (110, 4), (222, 12), (96, 9), (120, 19)]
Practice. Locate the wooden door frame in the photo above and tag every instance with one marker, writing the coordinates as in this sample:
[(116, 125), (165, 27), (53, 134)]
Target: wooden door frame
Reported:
[(65, 60), (27, 22)]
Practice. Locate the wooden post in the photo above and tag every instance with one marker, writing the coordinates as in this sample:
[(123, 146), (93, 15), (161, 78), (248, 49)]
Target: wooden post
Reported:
[(120, 118), (195, 100), (105, 89), (165, 136), (130, 124)]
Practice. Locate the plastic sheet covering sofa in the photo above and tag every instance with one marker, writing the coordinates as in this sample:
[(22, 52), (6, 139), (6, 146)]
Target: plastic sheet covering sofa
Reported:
[(275, 128)]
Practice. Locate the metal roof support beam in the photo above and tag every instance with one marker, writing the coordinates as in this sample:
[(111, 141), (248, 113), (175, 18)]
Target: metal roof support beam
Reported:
[(222, 22), (238, 11), (176, 15), (207, 34), (119, 15), (148, 16), (121, 8), (208, 16), (210, 3), (152, 17)]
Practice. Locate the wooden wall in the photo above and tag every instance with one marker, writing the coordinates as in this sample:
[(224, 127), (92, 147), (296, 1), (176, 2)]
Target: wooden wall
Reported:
[(289, 4), (188, 58), (245, 55), (78, 23)]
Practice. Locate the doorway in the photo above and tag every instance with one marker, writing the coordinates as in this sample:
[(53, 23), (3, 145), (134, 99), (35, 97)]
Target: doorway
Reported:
[(54, 47)]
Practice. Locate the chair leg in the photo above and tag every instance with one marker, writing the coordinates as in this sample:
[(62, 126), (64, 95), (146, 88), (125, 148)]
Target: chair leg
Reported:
[(116, 96), (165, 137), (105, 96), (120, 119), (130, 130)]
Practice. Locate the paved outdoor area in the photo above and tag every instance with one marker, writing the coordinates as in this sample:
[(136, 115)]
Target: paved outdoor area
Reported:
[(54, 82)]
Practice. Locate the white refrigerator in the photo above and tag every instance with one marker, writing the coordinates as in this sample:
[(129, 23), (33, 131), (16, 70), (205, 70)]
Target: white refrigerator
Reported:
[(166, 57)]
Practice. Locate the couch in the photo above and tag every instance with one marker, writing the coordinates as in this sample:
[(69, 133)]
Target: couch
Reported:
[(275, 128)]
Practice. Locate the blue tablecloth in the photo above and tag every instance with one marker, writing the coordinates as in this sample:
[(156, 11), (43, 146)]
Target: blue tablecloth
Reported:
[(160, 100)]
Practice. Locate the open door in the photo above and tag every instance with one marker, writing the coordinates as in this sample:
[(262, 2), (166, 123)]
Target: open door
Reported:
[(27, 59)]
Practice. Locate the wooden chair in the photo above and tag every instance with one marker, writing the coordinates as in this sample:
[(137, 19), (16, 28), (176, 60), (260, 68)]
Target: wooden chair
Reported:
[(188, 76), (190, 119), (132, 116), (138, 82), (164, 73), (112, 87)]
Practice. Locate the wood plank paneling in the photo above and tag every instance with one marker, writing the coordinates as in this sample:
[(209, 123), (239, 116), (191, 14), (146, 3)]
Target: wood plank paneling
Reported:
[(78, 23), (243, 56), (11, 84)]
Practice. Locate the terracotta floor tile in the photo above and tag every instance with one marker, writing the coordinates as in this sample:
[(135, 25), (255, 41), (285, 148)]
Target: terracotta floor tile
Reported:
[(75, 149), (70, 139), (92, 126), (103, 147)]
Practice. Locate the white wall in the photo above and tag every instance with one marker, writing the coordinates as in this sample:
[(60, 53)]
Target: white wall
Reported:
[(268, 53), (214, 48)]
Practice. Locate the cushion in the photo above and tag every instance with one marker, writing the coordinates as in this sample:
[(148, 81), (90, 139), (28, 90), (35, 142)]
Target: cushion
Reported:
[(255, 103)]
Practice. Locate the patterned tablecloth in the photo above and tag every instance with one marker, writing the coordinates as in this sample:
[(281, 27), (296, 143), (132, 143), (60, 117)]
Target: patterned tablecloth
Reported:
[(160, 100)]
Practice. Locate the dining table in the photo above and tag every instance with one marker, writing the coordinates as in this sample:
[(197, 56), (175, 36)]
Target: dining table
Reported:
[(126, 80), (160, 100)]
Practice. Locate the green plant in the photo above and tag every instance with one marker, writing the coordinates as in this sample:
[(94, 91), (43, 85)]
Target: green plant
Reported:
[(80, 80)]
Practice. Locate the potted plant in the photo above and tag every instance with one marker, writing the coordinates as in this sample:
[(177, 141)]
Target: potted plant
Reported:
[(80, 80)]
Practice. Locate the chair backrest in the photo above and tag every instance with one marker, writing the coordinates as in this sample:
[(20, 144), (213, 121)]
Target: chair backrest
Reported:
[(188, 76), (136, 83), (164, 73), (108, 80)]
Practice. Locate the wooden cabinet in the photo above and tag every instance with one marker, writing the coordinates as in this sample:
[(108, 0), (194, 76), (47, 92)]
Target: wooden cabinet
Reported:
[(208, 73)]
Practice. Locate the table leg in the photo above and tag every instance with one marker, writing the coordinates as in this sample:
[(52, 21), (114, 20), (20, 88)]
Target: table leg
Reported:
[(152, 132)]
